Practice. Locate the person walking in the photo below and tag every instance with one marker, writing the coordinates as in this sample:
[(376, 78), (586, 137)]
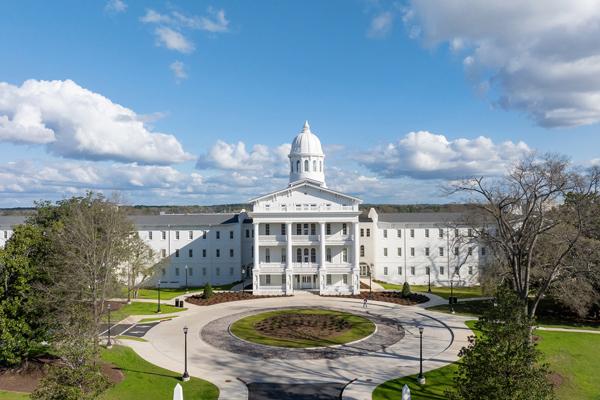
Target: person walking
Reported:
[(365, 303)]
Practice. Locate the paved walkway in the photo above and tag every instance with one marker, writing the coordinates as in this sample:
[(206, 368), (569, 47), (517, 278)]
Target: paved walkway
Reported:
[(443, 337), (547, 328)]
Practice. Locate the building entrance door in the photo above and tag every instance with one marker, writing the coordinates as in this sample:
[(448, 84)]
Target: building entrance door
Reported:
[(303, 282)]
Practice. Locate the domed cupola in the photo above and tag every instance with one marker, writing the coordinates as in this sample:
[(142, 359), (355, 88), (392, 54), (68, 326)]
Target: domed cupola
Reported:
[(306, 157)]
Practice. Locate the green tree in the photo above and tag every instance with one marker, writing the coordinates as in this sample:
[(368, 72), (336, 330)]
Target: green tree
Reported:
[(208, 291), (22, 323), (501, 362), (406, 290)]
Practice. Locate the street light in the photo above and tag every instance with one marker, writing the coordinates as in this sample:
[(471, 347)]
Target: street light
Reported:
[(158, 287), (108, 342), (186, 277), (429, 278), (243, 279), (452, 294), (185, 377), (421, 377), (370, 280)]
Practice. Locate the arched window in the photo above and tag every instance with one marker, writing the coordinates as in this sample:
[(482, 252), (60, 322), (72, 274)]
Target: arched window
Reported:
[(291, 166), (315, 165), (305, 255), (320, 166), (298, 166), (313, 255), (306, 166), (299, 255)]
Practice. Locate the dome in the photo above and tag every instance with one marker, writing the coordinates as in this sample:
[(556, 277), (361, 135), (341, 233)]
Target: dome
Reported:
[(306, 142)]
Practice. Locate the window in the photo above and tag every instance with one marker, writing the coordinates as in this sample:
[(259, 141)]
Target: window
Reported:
[(344, 229), (385, 270), (412, 251), (470, 270), (190, 271), (456, 251), (483, 251), (230, 252), (164, 272), (399, 270), (298, 229), (315, 165), (150, 235), (412, 233), (203, 271), (218, 271), (218, 253), (176, 271), (440, 233), (385, 233), (399, 251), (412, 270), (247, 233), (291, 166), (163, 253), (385, 251), (345, 279), (218, 234), (176, 252), (190, 253), (230, 234), (298, 255), (190, 235), (313, 229), (441, 270), (399, 232), (344, 255), (305, 165), (203, 252), (163, 235), (368, 232), (470, 251), (329, 279), (267, 229), (305, 229), (313, 255), (362, 232), (283, 230), (426, 233), (469, 232), (283, 256), (328, 229), (268, 279), (362, 250), (328, 255), (176, 235), (203, 234), (298, 166), (427, 251), (441, 251)]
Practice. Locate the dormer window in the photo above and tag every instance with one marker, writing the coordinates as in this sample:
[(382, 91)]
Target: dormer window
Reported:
[(297, 166), (306, 166)]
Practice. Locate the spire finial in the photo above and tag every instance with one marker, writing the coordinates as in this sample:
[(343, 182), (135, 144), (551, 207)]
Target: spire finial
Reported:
[(306, 127)]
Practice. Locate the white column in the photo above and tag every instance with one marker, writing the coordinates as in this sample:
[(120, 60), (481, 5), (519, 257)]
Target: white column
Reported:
[(356, 260), (289, 277), (256, 268), (322, 269)]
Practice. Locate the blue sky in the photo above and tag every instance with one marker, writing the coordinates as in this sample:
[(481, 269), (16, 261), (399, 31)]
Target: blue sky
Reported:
[(194, 102)]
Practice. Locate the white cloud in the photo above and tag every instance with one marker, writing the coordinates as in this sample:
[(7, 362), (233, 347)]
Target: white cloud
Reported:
[(179, 70), (74, 122), (543, 57), (424, 155), (153, 17), (173, 40), (117, 6), (381, 24), (214, 22)]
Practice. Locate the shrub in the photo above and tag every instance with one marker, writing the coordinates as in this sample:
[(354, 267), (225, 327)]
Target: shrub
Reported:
[(406, 290), (208, 291)]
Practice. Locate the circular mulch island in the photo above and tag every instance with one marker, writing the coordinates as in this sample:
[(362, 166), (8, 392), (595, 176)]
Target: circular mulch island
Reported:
[(302, 328)]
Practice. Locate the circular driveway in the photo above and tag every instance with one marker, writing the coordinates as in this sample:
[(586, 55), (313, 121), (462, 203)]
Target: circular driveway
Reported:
[(231, 369)]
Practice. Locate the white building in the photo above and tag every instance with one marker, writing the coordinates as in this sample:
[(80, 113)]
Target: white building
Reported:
[(307, 237)]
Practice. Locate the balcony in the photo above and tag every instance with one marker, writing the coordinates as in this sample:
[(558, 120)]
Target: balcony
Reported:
[(339, 238), (298, 239), (306, 268), (272, 238), (271, 267), (338, 268)]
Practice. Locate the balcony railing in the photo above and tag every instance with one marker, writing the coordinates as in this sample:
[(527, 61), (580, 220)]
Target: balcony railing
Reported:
[(272, 238), (306, 238), (339, 238)]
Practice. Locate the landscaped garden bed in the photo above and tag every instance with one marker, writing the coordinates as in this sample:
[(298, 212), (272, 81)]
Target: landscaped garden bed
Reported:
[(390, 297), (223, 297), (301, 328)]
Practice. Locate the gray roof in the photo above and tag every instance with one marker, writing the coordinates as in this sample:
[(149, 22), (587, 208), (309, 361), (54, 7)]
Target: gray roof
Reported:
[(423, 217), (364, 218), (185, 219), (12, 220)]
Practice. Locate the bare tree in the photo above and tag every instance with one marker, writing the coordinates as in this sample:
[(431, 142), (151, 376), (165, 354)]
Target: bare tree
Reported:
[(518, 212), (141, 264)]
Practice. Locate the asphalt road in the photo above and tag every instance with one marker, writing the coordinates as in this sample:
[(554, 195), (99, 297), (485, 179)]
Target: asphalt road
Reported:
[(295, 391)]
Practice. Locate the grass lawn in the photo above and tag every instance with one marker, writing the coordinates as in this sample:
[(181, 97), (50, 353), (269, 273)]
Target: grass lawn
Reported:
[(142, 321), (438, 381), (171, 293), (141, 308), (13, 395), (127, 337), (462, 292), (149, 382), (244, 329)]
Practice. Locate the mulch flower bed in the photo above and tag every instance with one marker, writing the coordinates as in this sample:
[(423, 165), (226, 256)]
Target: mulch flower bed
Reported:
[(224, 297), (303, 326), (390, 297)]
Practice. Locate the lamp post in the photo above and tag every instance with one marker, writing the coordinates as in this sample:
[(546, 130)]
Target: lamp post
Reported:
[(108, 342), (429, 279), (186, 278), (421, 377), (370, 280), (158, 308), (452, 294), (185, 377), (243, 279)]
